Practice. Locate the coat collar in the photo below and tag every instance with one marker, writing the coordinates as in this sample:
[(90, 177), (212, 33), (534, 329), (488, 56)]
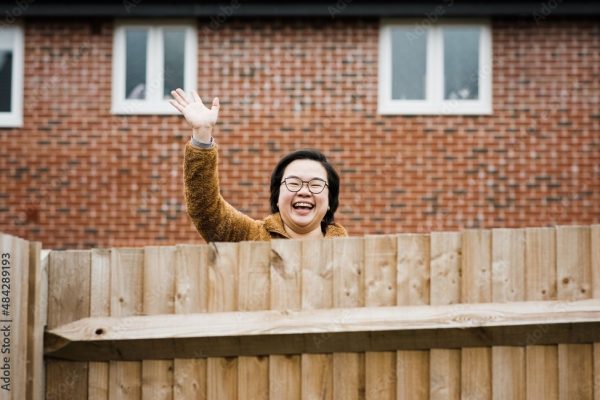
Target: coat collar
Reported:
[(274, 225)]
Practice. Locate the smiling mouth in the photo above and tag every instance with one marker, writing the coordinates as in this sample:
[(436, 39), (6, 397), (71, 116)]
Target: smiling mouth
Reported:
[(302, 205)]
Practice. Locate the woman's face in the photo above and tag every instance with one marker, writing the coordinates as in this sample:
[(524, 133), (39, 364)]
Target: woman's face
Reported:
[(303, 211)]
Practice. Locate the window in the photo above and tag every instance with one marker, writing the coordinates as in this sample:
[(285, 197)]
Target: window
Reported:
[(11, 76), (149, 61), (435, 69)]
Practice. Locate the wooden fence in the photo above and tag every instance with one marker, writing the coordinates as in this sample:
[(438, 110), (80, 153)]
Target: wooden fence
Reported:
[(378, 317)]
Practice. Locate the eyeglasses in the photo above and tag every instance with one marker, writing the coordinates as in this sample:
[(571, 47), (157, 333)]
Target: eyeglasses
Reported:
[(294, 184)]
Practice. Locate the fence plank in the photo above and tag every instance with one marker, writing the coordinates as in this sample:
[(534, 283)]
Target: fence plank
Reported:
[(508, 284), (222, 296), (191, 296), (413, 276), (38, 295), (348, 291), (595, 260), (126, 284), (158, 298), (317, 292), (254, 293), (286, 293), (574, 274), (15, 295), (445, 289), (380, 290), (68, 300), (596, 371), (476, 374), (540, 266), (99, 307)]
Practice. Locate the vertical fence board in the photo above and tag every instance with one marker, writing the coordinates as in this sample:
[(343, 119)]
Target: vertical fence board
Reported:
[(286, 293), (126, 285), (68, 300), (348, 291), (596, 371), (476, 374), (413, 276), (380, 290), (595, 259), (540, 278), (254, 295), (574, 275), (317, 292), (99, 307), (15, 274), (38, 297), (508, 284), (222, 296), (191, 296), (158, 298), (446, 259)]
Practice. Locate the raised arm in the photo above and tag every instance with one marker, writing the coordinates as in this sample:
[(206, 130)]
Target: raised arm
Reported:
[(214, 218)]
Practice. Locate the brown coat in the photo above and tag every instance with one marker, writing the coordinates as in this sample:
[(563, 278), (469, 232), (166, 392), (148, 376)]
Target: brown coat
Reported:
[(214, 218)]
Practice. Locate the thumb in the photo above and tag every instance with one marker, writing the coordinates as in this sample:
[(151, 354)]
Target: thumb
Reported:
[(215, 104)]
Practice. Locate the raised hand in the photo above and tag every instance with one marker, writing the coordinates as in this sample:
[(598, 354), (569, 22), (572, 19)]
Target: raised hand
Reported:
[(200, 118)]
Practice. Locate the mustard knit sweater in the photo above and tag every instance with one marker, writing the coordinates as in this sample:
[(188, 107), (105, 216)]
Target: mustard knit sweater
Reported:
[(214, 218)]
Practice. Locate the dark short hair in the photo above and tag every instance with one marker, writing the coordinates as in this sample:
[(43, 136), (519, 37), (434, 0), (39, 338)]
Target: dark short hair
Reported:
[(333, 181)]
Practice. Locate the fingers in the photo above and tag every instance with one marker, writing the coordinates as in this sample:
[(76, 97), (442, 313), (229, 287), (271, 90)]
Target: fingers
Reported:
[(180, 97), (180, 100), (197, 98), (176, 105)]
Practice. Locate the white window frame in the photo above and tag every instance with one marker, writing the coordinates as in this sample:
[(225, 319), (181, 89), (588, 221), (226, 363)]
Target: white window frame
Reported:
[(154, 102), (14, 118), (434, 102)]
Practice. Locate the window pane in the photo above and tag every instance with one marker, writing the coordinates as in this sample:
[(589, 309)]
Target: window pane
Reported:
[(409, 63), (174, 51), (461, 63), (5, 80), (135, 67)]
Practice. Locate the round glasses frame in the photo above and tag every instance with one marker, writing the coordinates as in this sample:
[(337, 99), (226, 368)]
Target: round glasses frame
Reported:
[(296, 180)]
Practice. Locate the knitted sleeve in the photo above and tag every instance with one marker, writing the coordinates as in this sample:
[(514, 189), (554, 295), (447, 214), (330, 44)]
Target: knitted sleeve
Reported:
[(214, 218)]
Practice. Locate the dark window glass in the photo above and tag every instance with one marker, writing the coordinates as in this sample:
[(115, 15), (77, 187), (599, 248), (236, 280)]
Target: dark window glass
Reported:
[(5, 80), (135, 65)]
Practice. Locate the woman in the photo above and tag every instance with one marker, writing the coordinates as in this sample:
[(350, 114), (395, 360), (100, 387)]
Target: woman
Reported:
[(304, 188)]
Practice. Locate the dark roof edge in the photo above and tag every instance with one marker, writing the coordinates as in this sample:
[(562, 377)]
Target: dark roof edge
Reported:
[(339, 9)]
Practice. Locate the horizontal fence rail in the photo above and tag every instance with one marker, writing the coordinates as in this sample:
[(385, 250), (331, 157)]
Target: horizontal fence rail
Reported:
[(252, 333), (486, 314)]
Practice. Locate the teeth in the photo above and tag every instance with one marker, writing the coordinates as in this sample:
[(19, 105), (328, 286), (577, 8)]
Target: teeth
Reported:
[(303, 205)]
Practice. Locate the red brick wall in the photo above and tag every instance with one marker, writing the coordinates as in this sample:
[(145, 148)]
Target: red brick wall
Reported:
[(76, 176)]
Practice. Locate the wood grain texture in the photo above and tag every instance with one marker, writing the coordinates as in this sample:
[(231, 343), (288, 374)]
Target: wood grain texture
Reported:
[(380, 290), (126, 285), (99, 307), (508, 284), (413, 276), (595, 259), (574, 274), (348, 291), (38, 296), (476, 287), (286, 293), (15, 305), (542, 372), (446, 259), (540, 266), (68, 300), (191, 296), (317, 293), (254, 294), (222, 372)]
